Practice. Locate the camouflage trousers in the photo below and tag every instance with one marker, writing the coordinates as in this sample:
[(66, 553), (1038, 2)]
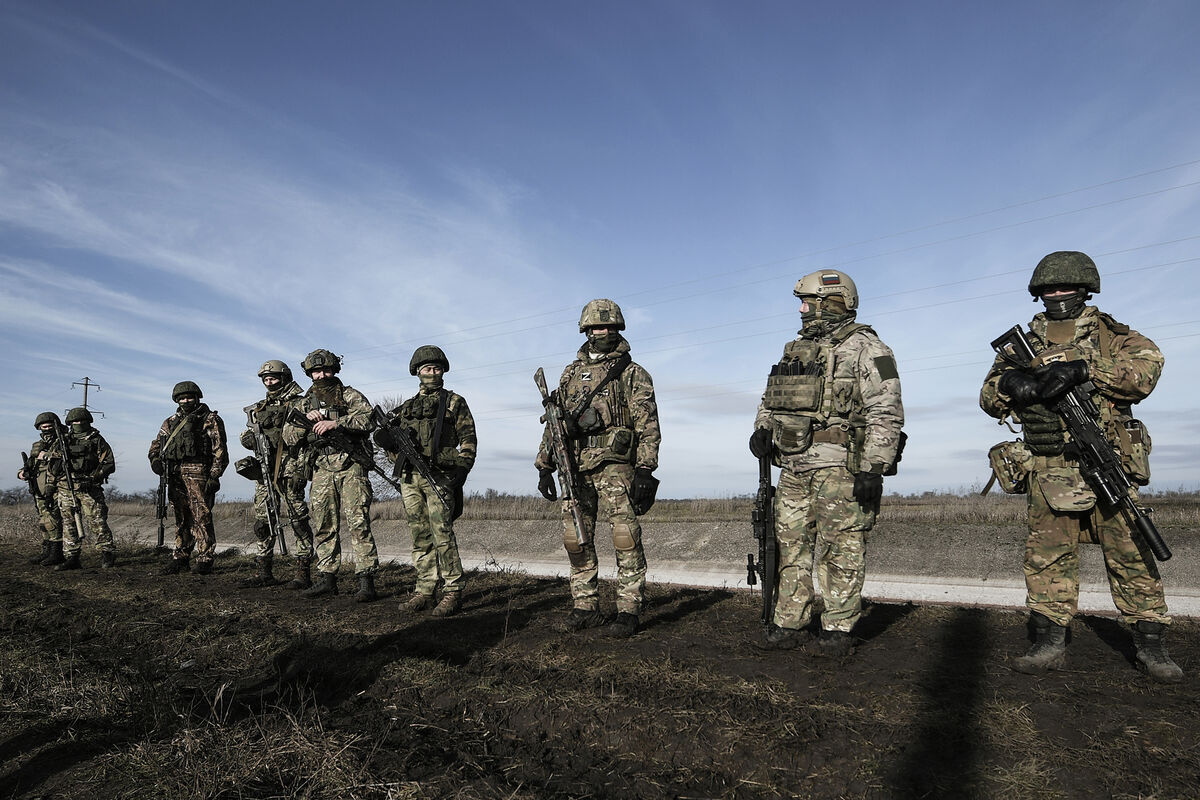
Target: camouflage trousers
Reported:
[(192, 496), (434, 550), (334, 492), (818, 521), (606, 490), (93, 510), (49, 517), (293, 507), (1052, 562)]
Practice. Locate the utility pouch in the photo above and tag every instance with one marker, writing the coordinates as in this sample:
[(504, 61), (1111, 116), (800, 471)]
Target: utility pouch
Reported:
[(622, 441), (1065, 489), (1010, 462), (787, 392), (792, 434), (1133, 440), (589, 422)]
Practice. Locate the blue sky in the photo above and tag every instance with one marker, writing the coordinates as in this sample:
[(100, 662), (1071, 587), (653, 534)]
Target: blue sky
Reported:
[(189, 189)]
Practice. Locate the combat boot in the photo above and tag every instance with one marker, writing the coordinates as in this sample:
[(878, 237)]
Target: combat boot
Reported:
[(417, 602), (1152, 657), (55, 556), (624, 626), (832, 644), (70, 562), (782, 639), (262, 576), (326, 584), (42, 556), (1049, 651), (581, 618), (451, 602), (366, 589), (108, 559), (175, 566), (303, 577)]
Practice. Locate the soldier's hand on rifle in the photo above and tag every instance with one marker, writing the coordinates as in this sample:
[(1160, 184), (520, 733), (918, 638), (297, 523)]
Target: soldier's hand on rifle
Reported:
[(868, 487), (760, 443), (247, 439), (1021, 386), (324, 426), (383, 437), (546, 484), (1062, 376)]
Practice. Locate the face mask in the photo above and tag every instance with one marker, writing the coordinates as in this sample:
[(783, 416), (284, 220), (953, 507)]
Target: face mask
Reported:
[(824, 313), (431, 381), (604, 343), (80, 427), (1067, 306)]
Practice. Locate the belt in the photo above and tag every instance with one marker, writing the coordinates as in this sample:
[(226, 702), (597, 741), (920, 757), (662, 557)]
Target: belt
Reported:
[(832, 436)]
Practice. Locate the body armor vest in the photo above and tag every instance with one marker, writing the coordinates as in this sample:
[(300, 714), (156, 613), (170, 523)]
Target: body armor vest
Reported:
[(188, 441), (419, 414), (803, 380), (81, 452)]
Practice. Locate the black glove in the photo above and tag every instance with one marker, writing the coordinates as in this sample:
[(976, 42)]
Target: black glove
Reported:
[(458, 476), (645, 488), (383, 437), (546, 484), (156, 466), (868, 488), (1062, 376), (760, 443), (1022, 387), (212, 486)]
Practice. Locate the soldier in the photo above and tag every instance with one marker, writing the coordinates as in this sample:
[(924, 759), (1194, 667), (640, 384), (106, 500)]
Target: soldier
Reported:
[(192, 449), (91, 462), (43, 488), (1079, 344), (287, 470), (336, 423), (830, 418), (441, 426), (613, 417)]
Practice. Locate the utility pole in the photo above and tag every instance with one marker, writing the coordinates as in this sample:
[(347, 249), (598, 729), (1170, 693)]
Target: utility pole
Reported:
[(87, 383)]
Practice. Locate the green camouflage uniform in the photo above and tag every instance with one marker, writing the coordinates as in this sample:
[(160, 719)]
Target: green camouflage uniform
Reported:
[(435, 549), (1124, 366), (46, 500), (626, 439), (844, 417), (194, 450), (288, 471), (91, 462), (339, 479)]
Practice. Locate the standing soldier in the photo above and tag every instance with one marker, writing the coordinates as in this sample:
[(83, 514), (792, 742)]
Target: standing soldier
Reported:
[(192, 449), (1081, 346), (91, 461), (36, 473), (335, 421), (608, 401), (830, 417), (443, 430), (287, 469)]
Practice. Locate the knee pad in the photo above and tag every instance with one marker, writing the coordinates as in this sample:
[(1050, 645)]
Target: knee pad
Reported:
[(624, 538), (571, 542)]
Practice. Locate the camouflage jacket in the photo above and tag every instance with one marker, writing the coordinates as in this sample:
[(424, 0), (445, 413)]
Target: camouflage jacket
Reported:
[(211, 447), (351, 410), (1123, 364), (854, 414), (626, 426), (270, 413), (458, 441)]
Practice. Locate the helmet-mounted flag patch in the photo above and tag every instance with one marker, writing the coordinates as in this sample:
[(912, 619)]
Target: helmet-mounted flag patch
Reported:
[(831, 279)]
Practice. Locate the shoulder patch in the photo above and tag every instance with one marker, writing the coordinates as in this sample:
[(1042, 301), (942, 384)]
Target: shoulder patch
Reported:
[(886, 366)]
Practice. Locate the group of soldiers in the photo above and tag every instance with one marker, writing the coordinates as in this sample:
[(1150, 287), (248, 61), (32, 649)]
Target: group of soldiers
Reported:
[(830, 419)]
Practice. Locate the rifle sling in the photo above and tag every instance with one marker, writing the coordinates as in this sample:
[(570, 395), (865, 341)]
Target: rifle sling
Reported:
[(614, 371)]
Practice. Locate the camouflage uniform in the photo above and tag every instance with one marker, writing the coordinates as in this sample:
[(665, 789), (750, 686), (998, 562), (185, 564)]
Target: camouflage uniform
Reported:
[(288, 470), (91, 461), (192, 447), (833, 411), (46, 500), (339, 479), (625, 438), (1124, 366)]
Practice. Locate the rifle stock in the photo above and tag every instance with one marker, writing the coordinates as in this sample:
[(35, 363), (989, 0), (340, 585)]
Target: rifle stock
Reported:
[(564, 461)]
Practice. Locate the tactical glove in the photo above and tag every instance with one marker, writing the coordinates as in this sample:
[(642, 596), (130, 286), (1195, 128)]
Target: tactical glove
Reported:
[(645, 488), (546, 484), (212, 486), (247, 439), (1062, 376), (760, 443), (868, 488), (156, 466), (1022, 387), (458, 476), (383, 437)]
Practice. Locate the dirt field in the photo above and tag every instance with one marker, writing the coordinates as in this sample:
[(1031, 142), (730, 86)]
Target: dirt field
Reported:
[(125, 683)]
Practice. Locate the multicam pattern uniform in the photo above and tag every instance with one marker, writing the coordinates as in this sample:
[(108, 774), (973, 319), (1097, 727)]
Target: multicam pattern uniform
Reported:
[(288, 470), (91, 462), (1124, 366), (339, 479), (435, 548), (46, 500), (629, 438), (196, 458), (854, 426)]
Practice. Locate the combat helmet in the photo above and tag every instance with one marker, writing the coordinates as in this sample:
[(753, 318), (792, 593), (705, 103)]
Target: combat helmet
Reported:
[(276, 367), (321, 358), (601, 313), (428, 354), (828, 282), (185, 387), (79, 414), (1065, 268), (44, 417)]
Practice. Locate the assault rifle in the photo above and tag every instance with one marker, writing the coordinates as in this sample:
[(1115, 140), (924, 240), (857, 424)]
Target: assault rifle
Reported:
[(161, 497), (262, 452), (560, 450), (29, 468), (340, 441), (763, 519), (70, 479), (409, 454), (1099, 462)]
